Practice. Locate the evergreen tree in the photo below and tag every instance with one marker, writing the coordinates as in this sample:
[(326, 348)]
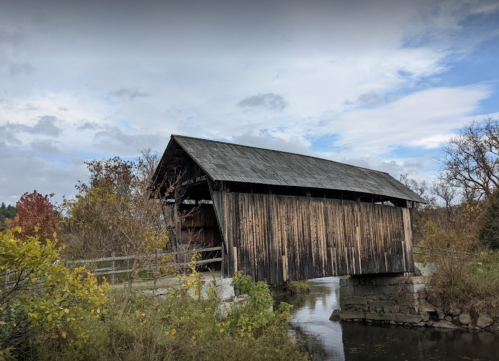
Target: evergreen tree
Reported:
[(489, 233), (6, 212)]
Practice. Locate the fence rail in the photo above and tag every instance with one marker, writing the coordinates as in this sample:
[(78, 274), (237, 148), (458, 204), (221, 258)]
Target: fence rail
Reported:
[(153, 264), (131, 257), (426, 251)]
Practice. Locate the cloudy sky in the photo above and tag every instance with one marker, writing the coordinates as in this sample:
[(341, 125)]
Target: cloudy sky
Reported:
[(381, 84)]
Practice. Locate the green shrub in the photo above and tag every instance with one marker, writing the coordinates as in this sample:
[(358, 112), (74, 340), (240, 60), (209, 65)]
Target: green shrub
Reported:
[(183, 328), (44, 298)]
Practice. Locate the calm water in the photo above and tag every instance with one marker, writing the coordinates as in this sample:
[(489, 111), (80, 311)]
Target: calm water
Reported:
[(328, 340)]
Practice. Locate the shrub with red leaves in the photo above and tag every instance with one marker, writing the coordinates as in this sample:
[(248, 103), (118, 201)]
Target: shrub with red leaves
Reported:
[(36, 216)]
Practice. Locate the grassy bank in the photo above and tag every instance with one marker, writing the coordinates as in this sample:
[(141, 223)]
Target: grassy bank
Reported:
[(290, 288), (467, 282), (181, 328)]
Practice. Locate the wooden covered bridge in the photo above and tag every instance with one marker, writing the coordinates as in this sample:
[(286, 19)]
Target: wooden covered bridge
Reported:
[(282, 216)]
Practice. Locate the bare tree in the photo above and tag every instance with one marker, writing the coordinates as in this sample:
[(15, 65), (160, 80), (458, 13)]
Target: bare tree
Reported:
[(421, 187), (471, 159), (448, 194)]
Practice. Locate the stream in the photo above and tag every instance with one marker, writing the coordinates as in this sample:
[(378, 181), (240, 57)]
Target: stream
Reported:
[(351, 341)]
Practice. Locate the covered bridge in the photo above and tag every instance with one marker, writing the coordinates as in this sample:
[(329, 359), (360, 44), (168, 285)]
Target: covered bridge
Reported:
[(282, 216)]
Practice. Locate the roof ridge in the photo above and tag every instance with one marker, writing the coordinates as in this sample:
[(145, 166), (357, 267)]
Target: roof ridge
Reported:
[(279, 151)]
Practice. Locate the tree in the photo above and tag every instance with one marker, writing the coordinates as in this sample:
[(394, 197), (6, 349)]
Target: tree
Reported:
[(6, 213), (446, 212), (489, 231), (43, 295), (471, 159), (423, 211), (114, 212), (447, 194), (36, 216)]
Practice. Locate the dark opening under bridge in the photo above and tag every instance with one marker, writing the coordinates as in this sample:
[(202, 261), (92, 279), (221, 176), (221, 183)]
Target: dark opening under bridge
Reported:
[(282, 216)]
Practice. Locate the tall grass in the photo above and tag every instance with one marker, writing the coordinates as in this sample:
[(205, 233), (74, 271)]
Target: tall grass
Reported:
[(467, 282), (179, 328), (467, 278)]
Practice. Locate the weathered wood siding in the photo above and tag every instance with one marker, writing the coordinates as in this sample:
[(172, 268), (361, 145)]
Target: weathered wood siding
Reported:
[(280, 238)]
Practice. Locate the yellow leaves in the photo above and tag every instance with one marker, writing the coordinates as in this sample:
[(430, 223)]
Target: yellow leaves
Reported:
[(171, 333), (61, 297)]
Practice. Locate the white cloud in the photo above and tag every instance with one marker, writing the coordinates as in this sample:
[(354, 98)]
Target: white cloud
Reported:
[(366, 71), (411, 120), (432, 141)]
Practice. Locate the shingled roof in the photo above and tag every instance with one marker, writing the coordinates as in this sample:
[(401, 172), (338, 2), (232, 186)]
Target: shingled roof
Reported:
[(238, 163)]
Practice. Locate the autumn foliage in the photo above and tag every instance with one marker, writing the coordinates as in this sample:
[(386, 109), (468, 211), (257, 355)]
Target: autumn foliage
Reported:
[(36, 216), (41, 299)]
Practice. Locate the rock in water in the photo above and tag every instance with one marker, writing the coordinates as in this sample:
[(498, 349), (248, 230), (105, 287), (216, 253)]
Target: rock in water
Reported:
[(484, 321), (335, 316), (464, 319)]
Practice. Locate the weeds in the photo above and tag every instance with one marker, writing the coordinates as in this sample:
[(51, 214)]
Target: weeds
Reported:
[(180, 327), (467, 282), (467, 278), (297, 287)]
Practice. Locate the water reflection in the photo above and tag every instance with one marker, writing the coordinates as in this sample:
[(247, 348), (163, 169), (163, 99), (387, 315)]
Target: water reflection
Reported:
[(328, 340)]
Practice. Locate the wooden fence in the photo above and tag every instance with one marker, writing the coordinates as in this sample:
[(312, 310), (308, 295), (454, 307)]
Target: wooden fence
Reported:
[(111, 266), (429, 251), (152, 261)]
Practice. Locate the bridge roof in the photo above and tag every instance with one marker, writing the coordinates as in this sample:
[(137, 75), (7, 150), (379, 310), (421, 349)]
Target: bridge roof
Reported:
[(238, 163)]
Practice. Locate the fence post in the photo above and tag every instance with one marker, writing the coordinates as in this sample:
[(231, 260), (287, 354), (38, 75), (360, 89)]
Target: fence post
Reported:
[(156, 268), (113, 265), (7, 272)]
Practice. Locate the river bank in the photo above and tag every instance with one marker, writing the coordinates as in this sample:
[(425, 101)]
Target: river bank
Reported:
[(402, 301), (350, 341)]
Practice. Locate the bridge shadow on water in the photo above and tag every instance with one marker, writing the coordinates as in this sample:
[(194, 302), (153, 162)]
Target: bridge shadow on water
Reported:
[(328, 340)]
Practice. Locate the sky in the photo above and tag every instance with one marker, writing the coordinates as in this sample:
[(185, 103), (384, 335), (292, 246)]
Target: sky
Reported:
[(379, 84)]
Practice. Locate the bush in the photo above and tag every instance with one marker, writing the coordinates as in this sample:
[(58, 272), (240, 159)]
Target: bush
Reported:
[(52, 313), (183, 328), (468, 282), (45, 298), (467, 279), (437, 240)]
